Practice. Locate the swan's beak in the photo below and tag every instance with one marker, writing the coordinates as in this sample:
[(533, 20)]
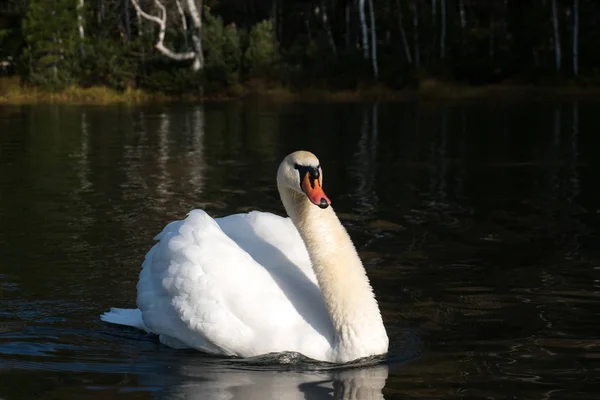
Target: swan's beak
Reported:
[(314, 192)]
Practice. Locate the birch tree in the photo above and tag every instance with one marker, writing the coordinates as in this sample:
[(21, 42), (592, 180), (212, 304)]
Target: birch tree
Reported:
[(80, 6), (403, 33), (575, 37), (327, 27), (363, 27), (161, 21), (373, 41), (557, 50)]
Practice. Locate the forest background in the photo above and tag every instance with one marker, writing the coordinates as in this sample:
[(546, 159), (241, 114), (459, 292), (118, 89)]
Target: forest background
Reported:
[(224, 48)]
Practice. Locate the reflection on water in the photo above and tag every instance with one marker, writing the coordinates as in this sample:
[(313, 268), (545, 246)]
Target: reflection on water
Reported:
[(202, 382), (167, 374), (477, 224), (365, 167)]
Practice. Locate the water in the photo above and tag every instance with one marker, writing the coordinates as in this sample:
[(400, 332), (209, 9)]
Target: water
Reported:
[(477, 223)]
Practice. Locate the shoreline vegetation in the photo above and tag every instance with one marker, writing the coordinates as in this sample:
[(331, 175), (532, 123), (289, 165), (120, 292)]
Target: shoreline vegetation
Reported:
[(76, 52), (12, 92)]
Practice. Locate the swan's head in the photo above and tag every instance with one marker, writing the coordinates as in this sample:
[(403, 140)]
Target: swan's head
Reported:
[(301, 172)]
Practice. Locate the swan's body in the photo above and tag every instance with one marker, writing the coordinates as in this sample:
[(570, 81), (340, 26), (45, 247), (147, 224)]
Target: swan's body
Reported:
[(257, 283)]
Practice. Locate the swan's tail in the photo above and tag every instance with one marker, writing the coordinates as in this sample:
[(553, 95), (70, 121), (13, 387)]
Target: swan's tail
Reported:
[(125, 316)]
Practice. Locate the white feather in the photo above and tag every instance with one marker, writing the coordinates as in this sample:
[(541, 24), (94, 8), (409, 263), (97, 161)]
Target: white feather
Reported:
[(245, 285)]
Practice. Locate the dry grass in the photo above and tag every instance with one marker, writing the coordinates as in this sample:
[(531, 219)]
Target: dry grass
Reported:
[(432, 91), (12, 92)]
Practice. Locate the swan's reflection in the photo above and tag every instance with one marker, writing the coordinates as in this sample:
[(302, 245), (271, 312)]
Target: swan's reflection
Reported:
[(205, 381)]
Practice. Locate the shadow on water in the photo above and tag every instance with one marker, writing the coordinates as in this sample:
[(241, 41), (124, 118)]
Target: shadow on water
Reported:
[(477, 224)]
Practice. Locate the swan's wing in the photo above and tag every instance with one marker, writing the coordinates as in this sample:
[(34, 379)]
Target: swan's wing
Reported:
[(199, 287), (273, 241)]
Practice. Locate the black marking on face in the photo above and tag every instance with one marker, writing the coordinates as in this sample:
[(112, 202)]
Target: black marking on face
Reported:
[(312, 171)]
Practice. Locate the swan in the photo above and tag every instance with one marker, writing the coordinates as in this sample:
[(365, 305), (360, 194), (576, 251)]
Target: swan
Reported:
[(257, 283)]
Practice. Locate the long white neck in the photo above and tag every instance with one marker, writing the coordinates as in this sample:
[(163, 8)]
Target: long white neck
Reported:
[(347, 293)]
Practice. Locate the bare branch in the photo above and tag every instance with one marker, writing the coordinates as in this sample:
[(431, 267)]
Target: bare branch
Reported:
[(149, 17), (162, 23)]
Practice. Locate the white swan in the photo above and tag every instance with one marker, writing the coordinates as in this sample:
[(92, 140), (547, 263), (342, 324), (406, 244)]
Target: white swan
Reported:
[(257, 283)]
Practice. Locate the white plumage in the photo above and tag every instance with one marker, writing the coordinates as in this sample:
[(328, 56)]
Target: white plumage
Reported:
[(245, 284)]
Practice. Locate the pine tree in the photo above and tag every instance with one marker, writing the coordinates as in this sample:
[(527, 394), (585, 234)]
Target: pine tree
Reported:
[(50, 30)]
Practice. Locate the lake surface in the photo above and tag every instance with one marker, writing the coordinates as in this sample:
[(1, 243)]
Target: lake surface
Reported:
[(477, 223)]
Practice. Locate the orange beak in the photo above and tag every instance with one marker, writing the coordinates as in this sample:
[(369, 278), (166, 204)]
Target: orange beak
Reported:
[(314, 192)]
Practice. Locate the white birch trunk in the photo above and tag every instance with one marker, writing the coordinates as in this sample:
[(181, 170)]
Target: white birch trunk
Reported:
[(363, 27), (327, 27), (403, 33), (80, 5), (373, 41), (557, 50), (576, 37), (196, 34)]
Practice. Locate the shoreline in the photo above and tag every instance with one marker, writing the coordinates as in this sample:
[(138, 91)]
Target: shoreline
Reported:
[(12, 93)]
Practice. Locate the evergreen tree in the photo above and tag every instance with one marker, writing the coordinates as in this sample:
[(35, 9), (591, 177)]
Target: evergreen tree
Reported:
[(50, 30)]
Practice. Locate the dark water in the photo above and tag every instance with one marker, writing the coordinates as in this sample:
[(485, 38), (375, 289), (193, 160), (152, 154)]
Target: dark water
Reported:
[(478, 225)]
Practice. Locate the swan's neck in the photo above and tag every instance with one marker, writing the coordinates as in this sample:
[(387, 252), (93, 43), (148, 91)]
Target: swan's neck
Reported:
[(346, 290)]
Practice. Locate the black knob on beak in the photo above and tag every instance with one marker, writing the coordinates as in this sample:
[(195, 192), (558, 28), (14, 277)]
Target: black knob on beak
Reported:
[(323, 204)]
